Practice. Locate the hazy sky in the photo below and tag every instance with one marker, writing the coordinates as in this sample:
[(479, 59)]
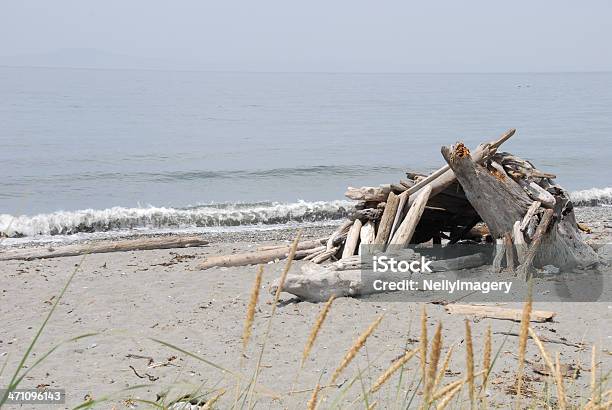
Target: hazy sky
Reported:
[(312, 35)]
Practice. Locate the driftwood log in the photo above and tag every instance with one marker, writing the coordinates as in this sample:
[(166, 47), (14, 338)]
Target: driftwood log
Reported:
[(318, 283), (496, 312), (257, 257), (501, 202), (140, 244)]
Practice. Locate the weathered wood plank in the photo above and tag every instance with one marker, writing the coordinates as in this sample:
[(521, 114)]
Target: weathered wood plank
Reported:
[(140, 244), (386, 221), (496, 312), (352, 239), (406, 229)]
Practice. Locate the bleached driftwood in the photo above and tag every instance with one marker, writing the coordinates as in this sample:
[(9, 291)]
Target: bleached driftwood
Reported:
[(462, 262), (140, 244), (526, 267), (497, 198), (533, 208), (386, 221), (500, 201), (301, 245), (254, 258), (367, 234), (317, 283), (496, 312), (378, 194), (445, 176), (325, 255), (500, 254), (519, 242), (509, 252), (399, 212), (537, 193), (406, 229), (352, 239), (339, 234)]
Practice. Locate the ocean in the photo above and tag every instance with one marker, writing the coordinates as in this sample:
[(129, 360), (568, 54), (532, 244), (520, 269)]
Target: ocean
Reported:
[(88, 153)]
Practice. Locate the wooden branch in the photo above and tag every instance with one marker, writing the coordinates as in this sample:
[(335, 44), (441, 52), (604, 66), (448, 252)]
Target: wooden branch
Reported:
[(498, 199), (442, 180), (339, 234), (537, 193), (317, 283), (386, 221), (500, 252), (352, 239), (509, 252), (519, 242), (322, 257), (397, 219), (533, 208), (496, 312), (445, 169), (140, 244), (301, 245), (367, 233), (368, 193), (406, 229), (546, 339), (462, 262), (526, 267), (368, 214), (253, 258)]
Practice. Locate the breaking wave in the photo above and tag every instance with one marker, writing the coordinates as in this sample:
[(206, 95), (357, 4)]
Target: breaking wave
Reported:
[(216, 215), (592, 197), (225, 215)]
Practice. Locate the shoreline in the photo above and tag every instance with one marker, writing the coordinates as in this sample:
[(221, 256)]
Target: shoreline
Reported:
[(598, 218), (126, 298)]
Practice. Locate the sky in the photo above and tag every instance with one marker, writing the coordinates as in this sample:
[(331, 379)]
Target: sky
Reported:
[(310, 36)]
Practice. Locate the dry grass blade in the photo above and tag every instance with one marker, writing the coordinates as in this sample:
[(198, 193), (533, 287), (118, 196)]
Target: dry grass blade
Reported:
[(542, 349), (562, 399), (210, 403), (447, 399), (469, 361), (372, 406), (486, 357), (446, 389), (395, 366), (281, 282), (594, 399), (316, 328), (250, 317), (423, 344), (350, 355), (314, 399), (552, 367), (434, 358), (443, 369), (523, 336), (290, 258)]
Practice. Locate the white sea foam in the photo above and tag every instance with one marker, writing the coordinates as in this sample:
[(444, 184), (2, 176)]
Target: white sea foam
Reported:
[(118, 221), (154, 218), (592, 197)]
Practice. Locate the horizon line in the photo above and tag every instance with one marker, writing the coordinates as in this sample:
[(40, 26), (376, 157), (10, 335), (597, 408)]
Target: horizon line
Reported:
[(301, 72)]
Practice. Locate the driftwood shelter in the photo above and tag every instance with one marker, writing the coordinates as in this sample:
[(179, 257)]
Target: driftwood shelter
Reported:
[(479, 195)]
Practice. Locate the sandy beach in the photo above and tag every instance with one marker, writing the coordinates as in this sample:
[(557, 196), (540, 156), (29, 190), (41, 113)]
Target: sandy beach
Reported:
[(128, 298)]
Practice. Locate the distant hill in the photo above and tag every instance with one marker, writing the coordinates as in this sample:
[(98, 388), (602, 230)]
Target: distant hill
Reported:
[(89, 58)]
